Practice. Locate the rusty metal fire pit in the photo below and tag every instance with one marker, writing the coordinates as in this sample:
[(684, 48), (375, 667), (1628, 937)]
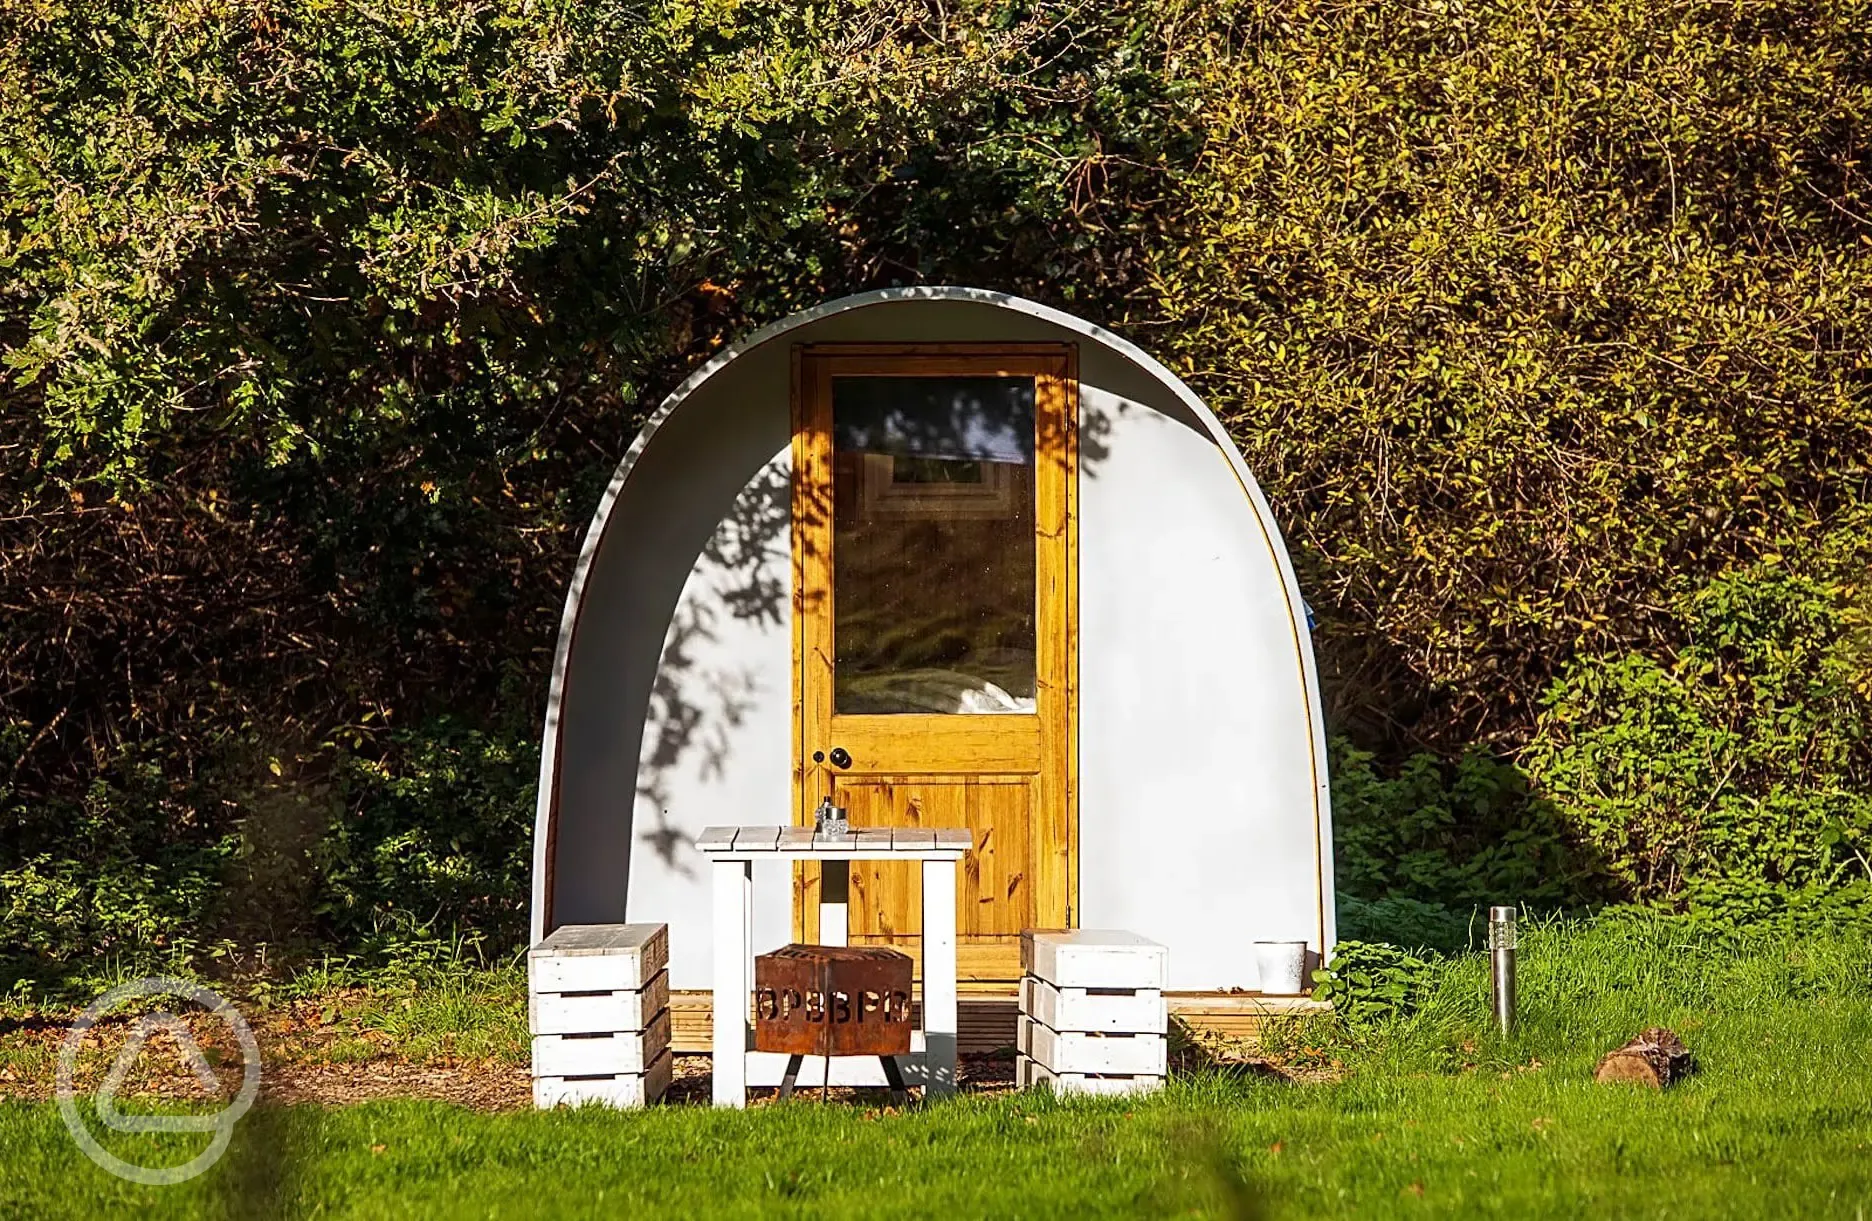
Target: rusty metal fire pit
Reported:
[(825, 1000)]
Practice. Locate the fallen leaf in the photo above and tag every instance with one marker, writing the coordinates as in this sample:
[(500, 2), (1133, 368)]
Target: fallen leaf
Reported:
[(377, 1148), (1276, 1147), (1415, 1189)]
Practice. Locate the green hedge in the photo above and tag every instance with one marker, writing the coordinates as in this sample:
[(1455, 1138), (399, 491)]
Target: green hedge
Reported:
[(323, 321)]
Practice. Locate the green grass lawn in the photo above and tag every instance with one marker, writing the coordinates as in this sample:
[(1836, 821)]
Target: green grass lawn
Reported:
[(1430, 1116)]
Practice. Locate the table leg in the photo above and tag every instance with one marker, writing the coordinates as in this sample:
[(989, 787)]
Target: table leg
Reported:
[(834, 902), (939, 977), (734, 963)]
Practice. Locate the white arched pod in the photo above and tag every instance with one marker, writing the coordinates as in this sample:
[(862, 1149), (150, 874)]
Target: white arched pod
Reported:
[(1204, 818)]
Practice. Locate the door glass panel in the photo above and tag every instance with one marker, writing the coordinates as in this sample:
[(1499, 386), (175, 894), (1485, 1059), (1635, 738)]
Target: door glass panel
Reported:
[(933, 545)]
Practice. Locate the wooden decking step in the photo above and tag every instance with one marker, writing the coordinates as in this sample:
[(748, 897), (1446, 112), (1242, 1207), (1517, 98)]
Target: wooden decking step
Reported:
[(989, 1023)]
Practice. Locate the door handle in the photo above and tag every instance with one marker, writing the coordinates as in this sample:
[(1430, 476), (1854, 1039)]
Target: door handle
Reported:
[(841, 757)]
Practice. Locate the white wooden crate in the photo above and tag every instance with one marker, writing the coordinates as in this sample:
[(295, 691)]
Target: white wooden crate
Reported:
[(622, 1090), (1028, 1073), (1123, 1011), (1078, 1052), (590, 1055), (597, 1012), (1090, 958), (598, 958)]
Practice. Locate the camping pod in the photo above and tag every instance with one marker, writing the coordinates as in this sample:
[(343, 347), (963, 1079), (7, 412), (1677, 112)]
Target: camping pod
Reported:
[(950, 558)]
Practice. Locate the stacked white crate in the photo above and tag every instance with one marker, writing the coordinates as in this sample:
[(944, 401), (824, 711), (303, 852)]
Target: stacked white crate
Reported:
[(598, 1006), (1092, 1013)]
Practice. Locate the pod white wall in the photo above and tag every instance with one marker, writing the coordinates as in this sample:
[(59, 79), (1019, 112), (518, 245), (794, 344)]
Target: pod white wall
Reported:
[(1203, 811)]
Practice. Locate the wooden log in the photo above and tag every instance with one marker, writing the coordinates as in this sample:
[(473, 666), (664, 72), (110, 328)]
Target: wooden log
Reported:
[(1657, 1058)]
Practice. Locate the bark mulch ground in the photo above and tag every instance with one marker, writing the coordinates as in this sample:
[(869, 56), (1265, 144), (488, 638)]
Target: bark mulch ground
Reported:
[(308, 1059), (296, 1068)]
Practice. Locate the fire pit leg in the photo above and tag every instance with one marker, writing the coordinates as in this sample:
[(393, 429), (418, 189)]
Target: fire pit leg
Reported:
[(899, 1094), (792, 1075)]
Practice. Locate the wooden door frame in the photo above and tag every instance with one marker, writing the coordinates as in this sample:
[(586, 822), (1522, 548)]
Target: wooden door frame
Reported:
[(1057, 784)]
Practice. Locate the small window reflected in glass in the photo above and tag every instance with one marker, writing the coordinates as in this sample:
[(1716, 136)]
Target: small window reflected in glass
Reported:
[(933, 545)]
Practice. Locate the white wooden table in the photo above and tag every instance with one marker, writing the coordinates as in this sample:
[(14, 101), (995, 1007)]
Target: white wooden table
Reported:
[(733, 851)]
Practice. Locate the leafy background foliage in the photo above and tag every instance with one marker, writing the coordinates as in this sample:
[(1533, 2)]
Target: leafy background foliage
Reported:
[(322, 322)]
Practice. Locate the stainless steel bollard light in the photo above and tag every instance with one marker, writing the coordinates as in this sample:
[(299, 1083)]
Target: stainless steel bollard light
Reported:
[(1501, 939)]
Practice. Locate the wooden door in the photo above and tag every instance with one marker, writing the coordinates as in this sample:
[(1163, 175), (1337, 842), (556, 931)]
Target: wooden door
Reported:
[(935, 660)]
